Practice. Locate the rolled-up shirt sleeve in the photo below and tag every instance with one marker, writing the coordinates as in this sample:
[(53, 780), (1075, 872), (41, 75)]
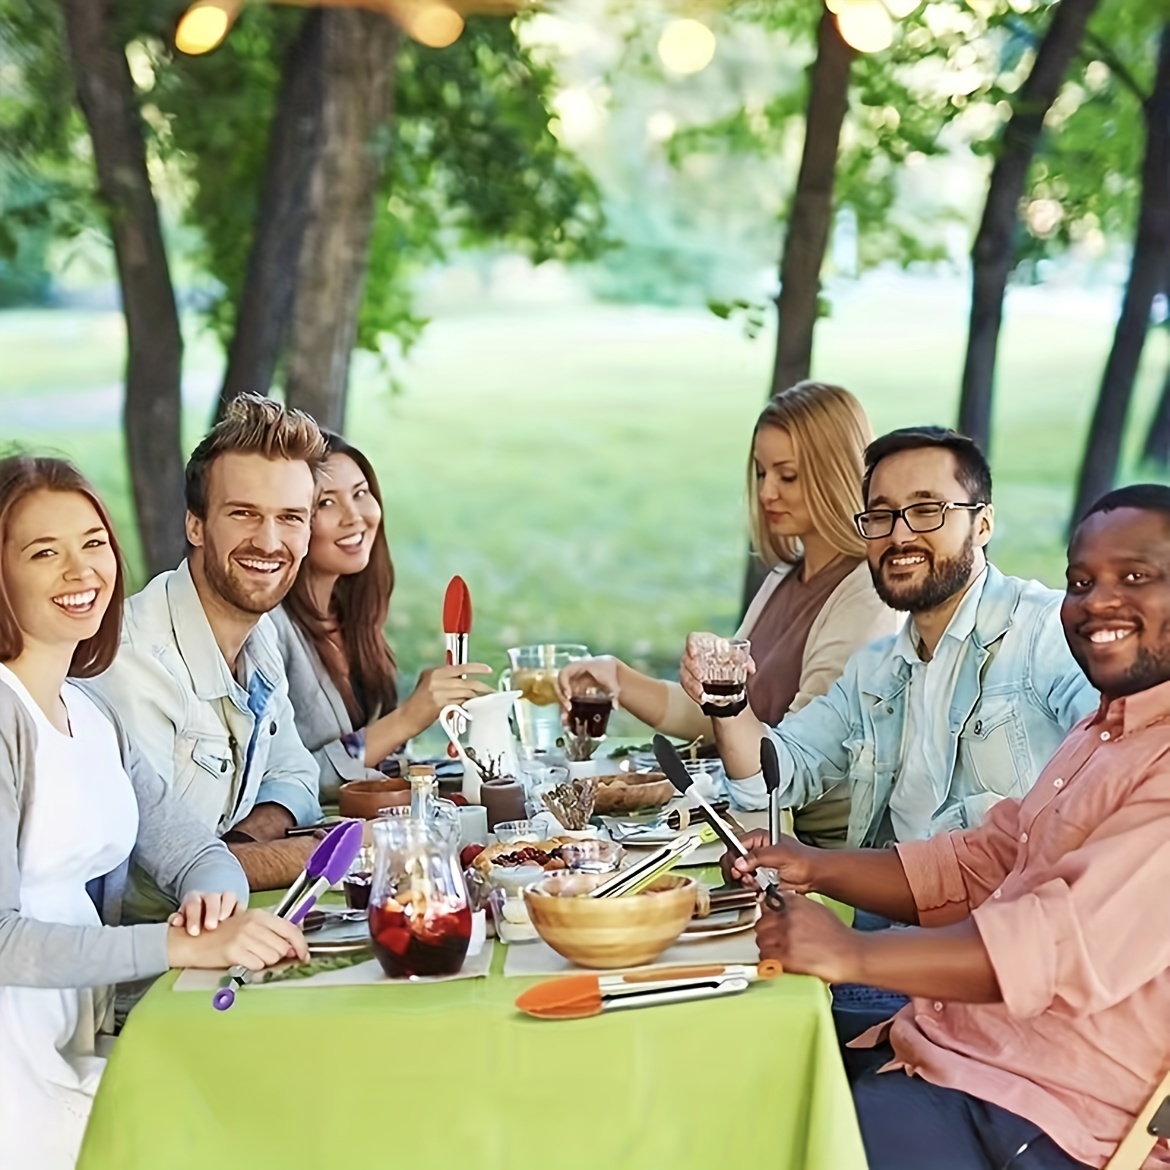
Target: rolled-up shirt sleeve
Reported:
[(951, 874), (1094, 927)]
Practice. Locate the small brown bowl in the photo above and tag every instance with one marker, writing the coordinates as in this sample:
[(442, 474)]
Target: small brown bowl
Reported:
[(607, 933), (627, 792), (363, 798)]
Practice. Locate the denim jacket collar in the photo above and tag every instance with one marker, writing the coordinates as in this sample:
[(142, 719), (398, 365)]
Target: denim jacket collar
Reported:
[(993, 619), (211, 677)]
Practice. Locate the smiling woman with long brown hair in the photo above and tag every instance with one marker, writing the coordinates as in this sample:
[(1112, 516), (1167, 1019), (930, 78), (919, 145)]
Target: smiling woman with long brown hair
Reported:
[(76, 800), (342, 675)]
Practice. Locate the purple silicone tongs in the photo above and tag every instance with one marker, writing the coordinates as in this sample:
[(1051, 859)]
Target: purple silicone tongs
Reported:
[(327, 865)]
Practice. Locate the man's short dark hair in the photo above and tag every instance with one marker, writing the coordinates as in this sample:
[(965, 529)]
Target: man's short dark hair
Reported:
[(1144, 497), (973, 471)]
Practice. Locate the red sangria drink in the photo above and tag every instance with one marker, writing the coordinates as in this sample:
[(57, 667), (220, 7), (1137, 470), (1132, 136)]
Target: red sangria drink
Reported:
[(420, 936), (589, 714), (721, 700), (722, 667)]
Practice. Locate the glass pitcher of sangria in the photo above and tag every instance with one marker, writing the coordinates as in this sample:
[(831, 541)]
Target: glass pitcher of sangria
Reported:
[(420, 917)]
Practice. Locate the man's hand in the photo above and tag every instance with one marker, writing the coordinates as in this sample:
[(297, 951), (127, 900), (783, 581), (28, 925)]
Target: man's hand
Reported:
[(793, 862), (253, 938), (809, 939), (199, 912), (689, 670), (266, 822)]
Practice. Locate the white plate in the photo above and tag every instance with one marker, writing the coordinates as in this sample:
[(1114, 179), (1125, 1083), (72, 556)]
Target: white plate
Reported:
[(718, 925)]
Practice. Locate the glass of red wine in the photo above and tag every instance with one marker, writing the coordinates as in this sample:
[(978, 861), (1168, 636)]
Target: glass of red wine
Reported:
[(420, 918), (589, 712), (723, 670)]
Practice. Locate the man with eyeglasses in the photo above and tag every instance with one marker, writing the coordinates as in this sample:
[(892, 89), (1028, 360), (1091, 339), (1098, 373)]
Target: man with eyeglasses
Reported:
[(964, 706)]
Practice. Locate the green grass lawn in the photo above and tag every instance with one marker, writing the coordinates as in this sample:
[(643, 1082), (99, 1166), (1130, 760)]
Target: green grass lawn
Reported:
[(583, 466)]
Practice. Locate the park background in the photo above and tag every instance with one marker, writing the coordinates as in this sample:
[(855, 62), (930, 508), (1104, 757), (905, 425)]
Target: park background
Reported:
[(567, 425)]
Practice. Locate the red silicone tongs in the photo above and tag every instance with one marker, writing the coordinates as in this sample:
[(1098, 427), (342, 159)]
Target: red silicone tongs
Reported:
[(456, 629), (457, 620)]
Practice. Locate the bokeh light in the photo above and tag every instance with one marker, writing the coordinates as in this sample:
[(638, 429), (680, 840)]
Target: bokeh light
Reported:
[(434, 25), (686, 46), (865, 25), (204, 25)]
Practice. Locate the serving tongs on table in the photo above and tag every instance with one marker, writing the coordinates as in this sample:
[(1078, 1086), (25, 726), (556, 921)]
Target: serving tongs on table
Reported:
[(576, 997), (669, 761), (327, 865)]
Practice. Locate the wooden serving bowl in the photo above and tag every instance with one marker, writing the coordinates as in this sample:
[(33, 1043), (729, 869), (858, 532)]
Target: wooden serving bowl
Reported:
[(609, 932), (364, 798), (627, 792)]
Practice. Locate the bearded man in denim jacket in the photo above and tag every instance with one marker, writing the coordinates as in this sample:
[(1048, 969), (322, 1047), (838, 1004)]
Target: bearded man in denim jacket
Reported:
[(964, 706)]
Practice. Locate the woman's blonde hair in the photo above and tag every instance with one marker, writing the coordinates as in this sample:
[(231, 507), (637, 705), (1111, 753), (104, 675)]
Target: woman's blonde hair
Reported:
[(829, 432)]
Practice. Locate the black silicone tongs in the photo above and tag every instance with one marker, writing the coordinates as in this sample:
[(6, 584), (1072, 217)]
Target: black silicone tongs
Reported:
[(676, 772)]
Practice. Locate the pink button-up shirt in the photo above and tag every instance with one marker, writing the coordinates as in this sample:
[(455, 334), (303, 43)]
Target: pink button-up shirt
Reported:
[(1070, 892)]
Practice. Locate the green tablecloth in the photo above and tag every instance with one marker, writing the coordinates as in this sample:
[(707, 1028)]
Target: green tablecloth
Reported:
[(450, 1075)]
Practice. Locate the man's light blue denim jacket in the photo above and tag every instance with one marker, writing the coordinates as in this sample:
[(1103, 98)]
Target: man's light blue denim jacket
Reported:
[(1018, 693), (222, 748)]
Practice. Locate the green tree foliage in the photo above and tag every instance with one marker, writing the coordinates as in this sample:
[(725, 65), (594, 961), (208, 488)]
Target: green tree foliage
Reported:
[(45, 179), (472, 162)]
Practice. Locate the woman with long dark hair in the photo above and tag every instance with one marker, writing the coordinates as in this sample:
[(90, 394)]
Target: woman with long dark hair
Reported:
[(341, 671)]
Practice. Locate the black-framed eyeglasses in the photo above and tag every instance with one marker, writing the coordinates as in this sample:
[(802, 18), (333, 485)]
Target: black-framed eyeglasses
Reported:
[(925, 517)]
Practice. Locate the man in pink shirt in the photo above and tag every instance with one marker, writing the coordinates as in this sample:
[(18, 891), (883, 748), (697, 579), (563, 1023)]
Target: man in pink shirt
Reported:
[(1040, 1019)]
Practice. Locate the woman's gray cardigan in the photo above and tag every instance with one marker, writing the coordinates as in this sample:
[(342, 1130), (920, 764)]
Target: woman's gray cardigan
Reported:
[(172, 847)]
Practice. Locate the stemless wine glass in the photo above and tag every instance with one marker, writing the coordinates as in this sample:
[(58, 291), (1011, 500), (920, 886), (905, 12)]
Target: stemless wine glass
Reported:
[(420, 918), (723, 664)]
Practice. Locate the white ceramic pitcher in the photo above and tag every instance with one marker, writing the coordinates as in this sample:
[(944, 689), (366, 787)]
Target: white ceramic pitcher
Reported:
[(489, 735)]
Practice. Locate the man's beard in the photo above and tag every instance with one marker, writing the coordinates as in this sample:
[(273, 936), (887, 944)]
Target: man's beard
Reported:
[(944, 579), (1150, 668), (221, 576)]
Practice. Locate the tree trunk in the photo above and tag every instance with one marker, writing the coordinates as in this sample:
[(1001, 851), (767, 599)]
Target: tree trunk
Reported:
[(1147, 276), (1157, 446), (811, 217), (266, 299), (152, 408), (993, 254), (359, 52), (809, 224)]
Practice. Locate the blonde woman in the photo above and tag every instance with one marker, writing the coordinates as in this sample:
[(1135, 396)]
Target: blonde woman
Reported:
[(816, 606)]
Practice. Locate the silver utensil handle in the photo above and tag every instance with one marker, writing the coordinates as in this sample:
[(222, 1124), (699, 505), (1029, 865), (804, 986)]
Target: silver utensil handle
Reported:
[(707, 990)]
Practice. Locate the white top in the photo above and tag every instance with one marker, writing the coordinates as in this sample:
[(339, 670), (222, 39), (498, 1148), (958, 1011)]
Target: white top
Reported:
[(923, 775), (81, 822)]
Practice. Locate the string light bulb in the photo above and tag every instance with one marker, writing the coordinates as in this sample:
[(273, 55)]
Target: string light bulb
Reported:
[(434, 25), (205, 24), (686, 46), (865, 25)]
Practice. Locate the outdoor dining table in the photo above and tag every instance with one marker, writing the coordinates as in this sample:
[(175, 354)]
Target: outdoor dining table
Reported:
[(429, 1076)]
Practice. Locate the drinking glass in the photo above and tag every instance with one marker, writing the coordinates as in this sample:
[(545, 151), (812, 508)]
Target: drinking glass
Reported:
[(589, 711), (722, 670), (420, 918), (533, 672)]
